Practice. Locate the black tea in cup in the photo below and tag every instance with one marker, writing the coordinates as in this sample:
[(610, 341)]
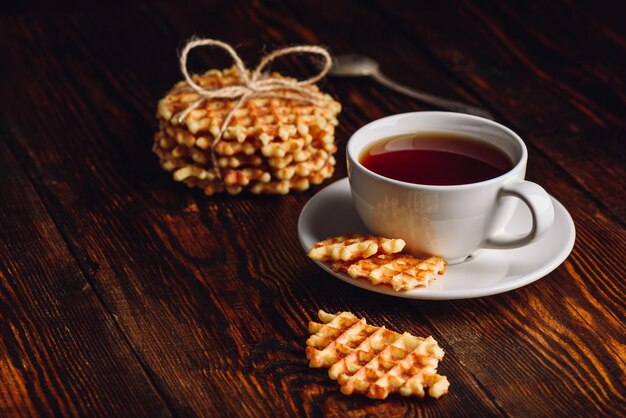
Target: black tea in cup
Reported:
[(435, 158)]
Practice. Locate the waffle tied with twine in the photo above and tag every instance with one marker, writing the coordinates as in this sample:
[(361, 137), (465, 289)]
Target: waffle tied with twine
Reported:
[(237, 129)]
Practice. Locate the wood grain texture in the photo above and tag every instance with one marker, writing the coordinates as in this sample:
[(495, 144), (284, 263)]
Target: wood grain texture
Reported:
[(199, 306), (60, 351)]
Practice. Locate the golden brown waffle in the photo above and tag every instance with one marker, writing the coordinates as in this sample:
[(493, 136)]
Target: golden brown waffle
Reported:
[(401, 271), (290, 141), (378, 260), (354, 247), (373, 360)]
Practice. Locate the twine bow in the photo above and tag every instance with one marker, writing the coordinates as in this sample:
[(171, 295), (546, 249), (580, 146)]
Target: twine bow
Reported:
[(254, 84)]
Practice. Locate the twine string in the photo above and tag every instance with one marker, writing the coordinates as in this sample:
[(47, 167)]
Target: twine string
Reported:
[(252, 84)]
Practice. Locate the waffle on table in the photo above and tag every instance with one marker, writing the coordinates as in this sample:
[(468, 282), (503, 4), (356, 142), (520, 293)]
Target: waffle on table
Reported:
[(374, 361), (271, 145), (378, 260)]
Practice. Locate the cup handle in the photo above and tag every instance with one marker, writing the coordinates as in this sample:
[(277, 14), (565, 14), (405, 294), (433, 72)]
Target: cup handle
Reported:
[(541, 210)]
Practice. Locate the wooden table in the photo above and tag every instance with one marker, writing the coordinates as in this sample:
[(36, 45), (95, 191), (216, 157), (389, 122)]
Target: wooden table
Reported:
[(123, 293)]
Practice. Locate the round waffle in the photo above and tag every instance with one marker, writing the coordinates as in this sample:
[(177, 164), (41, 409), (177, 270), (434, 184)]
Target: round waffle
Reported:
[(271, 145)]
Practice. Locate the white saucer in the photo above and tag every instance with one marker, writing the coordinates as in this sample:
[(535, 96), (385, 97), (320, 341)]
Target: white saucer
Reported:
[(331, 212)]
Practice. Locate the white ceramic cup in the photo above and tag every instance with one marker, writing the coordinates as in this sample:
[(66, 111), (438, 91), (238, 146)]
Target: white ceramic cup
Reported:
[(451, 221)]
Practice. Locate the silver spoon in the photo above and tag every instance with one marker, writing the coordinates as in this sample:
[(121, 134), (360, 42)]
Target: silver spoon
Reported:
[(355, 65)]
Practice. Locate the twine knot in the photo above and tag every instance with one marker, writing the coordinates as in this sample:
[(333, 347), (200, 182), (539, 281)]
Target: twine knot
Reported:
[(252, 84)]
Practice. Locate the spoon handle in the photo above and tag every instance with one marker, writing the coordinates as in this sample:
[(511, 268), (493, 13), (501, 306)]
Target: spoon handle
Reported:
[(439, 102)]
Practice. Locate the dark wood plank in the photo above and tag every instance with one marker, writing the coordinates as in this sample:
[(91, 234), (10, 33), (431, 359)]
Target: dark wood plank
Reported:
[(214, 294), (578, 43), (61, 353)]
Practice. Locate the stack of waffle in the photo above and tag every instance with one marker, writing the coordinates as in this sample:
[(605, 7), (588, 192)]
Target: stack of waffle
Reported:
[(374, 361), (271, 145)]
